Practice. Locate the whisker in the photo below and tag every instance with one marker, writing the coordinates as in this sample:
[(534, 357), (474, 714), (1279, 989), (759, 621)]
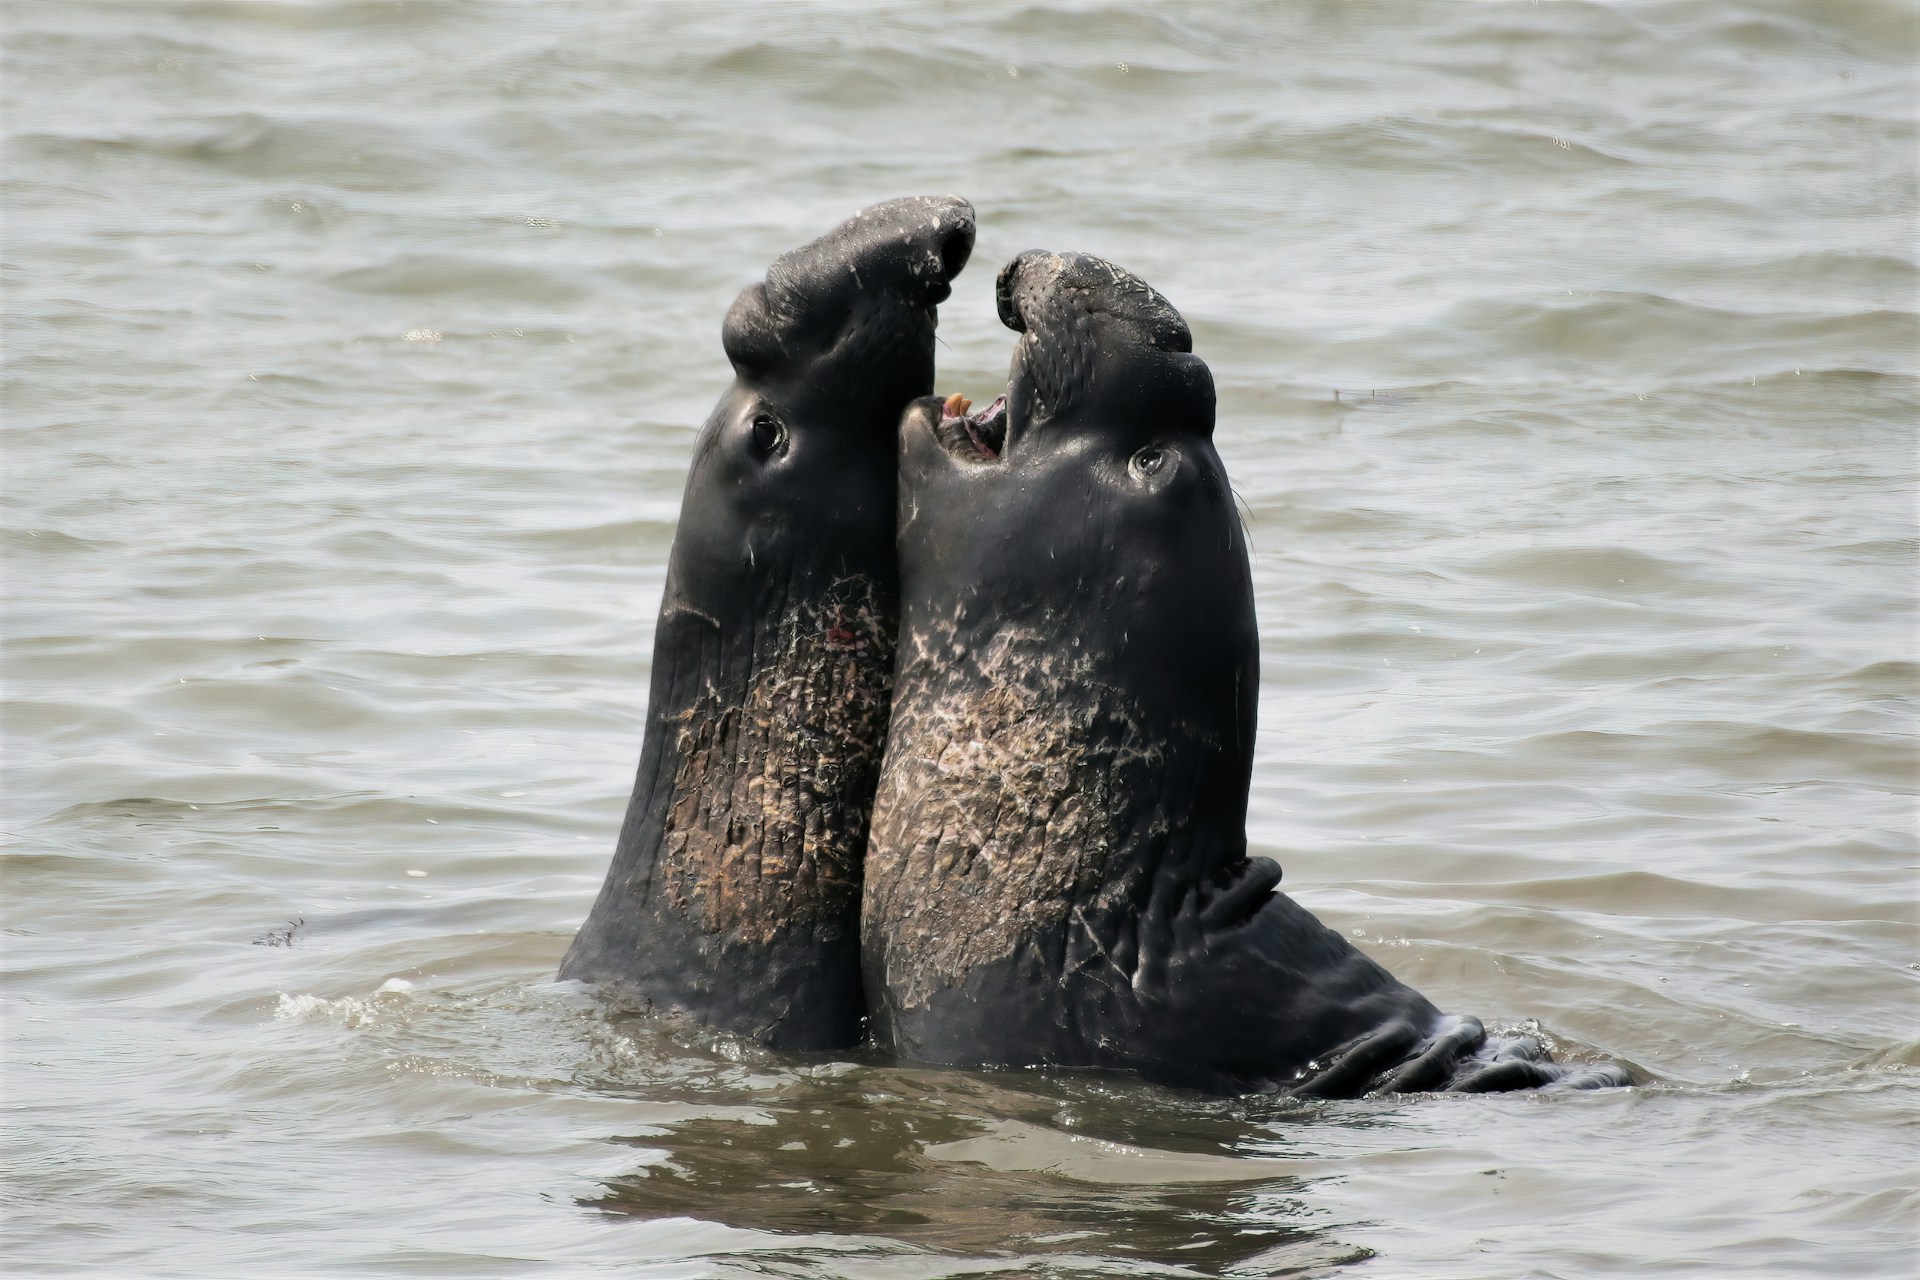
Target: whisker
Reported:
[(1245, 513)]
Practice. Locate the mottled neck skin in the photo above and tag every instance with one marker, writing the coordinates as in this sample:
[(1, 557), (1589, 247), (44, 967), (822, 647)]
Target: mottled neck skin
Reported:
[(758, 805), (1002, 821), (1049, 854), (735, 886)]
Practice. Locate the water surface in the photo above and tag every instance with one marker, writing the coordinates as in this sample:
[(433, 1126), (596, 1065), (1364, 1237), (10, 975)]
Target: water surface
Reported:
[(1567, 357)]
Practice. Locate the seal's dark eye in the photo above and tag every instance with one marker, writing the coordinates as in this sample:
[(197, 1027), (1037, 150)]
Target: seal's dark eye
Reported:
[(1149, 462), (769, 433)]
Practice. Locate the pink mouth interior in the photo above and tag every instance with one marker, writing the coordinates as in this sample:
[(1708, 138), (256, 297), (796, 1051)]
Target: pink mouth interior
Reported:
[(955, 410)]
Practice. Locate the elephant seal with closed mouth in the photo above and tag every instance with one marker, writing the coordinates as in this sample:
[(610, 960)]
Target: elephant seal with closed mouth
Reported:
[(1058, 871), (734, 893)]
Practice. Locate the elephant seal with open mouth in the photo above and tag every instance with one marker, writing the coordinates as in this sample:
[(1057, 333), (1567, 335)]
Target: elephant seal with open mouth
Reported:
[(734, 893), (1058, 872)]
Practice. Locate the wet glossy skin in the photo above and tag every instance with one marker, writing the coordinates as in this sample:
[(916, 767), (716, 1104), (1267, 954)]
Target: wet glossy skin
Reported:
[(734, 890), (1057, 872)]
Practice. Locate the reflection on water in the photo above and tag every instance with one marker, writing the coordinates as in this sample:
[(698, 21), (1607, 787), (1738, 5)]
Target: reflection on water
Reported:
[(960, 1163), (1566, 359)]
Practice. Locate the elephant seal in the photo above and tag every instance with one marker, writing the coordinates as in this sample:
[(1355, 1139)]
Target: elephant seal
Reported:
[(734, 892), (1058, 871)]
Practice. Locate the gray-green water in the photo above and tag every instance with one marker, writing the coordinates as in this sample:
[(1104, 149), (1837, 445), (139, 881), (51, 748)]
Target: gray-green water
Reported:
[(1568, 366)]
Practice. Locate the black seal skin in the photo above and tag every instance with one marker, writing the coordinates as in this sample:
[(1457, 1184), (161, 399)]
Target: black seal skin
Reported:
[(1058, 871), (734, 893)]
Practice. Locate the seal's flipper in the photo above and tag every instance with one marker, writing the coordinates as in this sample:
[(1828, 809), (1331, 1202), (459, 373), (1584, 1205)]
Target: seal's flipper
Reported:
[(1356, 1063), (1437, 1060)]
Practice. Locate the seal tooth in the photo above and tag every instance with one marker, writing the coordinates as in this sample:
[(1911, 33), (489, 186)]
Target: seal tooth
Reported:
[(956, 406)]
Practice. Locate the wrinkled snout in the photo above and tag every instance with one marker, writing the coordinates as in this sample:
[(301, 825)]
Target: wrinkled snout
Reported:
[(1040, 291), (917, 243), (879, 274), (908, 249)]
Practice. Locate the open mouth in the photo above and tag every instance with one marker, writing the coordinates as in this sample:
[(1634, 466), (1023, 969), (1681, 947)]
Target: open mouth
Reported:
[(973, 437)]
